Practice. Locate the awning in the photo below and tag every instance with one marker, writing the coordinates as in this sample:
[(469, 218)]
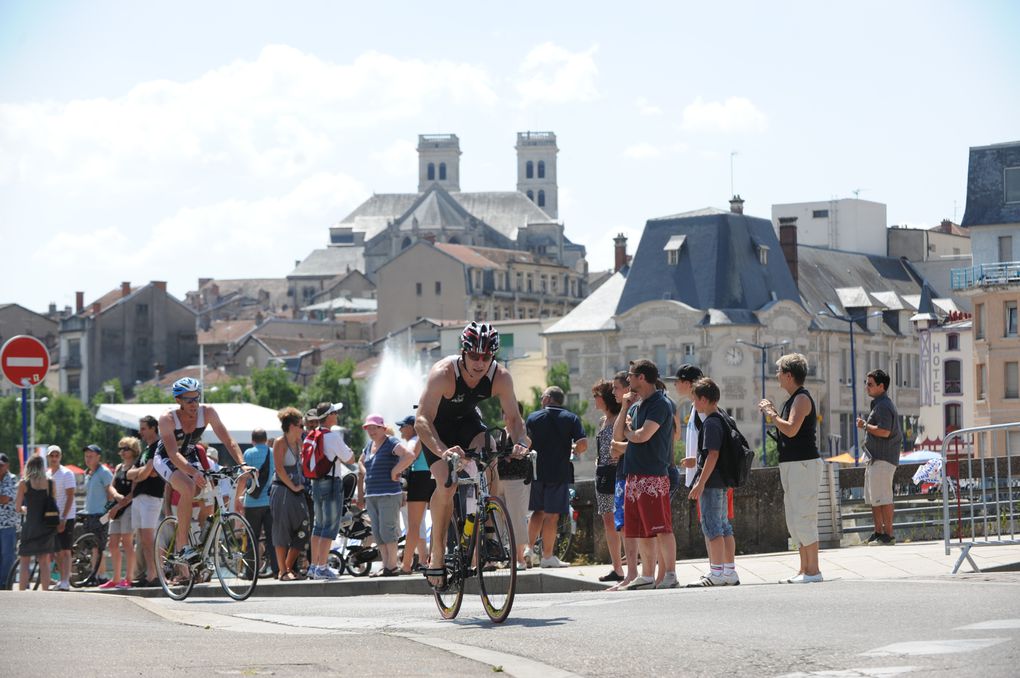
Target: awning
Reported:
[(239, 418)]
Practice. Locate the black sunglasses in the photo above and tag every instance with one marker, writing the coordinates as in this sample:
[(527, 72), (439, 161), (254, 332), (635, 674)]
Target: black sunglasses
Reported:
[(189, 399)]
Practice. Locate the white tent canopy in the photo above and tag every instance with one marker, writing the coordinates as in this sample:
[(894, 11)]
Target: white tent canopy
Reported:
[(239, 418)]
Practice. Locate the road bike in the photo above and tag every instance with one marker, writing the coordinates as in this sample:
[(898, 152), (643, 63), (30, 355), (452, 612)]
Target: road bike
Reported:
[(226, 547), (479, 539)]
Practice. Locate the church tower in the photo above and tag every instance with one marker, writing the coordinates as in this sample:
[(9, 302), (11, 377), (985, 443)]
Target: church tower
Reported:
[(438, 161), (536, 169)]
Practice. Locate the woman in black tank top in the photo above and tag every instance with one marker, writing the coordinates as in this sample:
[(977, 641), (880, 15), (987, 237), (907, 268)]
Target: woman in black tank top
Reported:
[(800, 468)]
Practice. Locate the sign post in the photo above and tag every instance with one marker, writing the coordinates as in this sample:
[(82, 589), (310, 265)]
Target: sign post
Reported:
[(25, 360)]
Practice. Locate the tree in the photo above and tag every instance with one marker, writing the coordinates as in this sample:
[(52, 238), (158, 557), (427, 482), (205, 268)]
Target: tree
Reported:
[(335, 383), (273, 387), (100, 432), (151, 393), (235, 390), (558, 375)]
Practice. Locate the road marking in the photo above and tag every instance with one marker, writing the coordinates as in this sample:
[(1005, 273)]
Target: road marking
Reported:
[(992, 624), (511, 664), (179, 614), (950, 646), (873, 672)]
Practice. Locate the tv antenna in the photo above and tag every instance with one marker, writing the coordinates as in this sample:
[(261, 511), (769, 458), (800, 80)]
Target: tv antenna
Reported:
[(732, 154), (857, 193)]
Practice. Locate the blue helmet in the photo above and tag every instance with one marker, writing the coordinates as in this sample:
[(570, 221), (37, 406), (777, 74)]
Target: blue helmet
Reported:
[(185, 385)]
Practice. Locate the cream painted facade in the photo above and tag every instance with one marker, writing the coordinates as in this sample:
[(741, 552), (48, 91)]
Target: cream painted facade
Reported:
[(421, 282), (996, 363), (669, 333)]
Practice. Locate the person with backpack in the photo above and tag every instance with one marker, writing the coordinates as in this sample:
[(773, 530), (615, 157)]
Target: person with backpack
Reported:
[(321, 450), (800, 467), (710, 488), (256, 500)]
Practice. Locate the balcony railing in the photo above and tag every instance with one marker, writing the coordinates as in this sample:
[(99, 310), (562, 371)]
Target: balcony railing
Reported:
[(999, 273)]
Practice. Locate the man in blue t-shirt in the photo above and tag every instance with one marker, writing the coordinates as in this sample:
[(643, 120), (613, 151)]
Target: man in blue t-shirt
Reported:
[(555, 433), (256, 505), (648, 516)]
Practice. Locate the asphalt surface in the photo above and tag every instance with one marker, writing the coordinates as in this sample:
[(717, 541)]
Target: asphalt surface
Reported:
[(934, 626)]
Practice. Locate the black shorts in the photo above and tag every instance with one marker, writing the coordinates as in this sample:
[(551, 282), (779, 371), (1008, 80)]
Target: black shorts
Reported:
[(66, 538), (459, 433), (420, 486)]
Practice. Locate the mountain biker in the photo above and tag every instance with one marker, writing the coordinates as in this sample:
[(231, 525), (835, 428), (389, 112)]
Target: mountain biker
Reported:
[(449, 422)]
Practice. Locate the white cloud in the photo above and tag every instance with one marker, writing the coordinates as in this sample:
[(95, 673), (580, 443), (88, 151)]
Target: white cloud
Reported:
[(551, 74), (280, 115), (233, 238), (645, 107), (399, 159), (736, 114), (642, 151)]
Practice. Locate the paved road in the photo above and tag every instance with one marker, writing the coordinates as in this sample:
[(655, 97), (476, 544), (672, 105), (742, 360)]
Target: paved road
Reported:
[(938, 626)]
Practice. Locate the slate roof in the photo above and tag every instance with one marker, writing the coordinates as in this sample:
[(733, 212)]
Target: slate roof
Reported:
[(330, 261), (469, 256), (985, 185), (595, 313), (718, 263), (372, 215)]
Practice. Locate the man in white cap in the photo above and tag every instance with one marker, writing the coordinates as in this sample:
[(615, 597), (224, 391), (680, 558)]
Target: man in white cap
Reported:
[(63, 491), (327, 492)]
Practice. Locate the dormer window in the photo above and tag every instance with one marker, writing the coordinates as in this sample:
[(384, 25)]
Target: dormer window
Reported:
[(673, 248), (1012, 181), (763, 254)]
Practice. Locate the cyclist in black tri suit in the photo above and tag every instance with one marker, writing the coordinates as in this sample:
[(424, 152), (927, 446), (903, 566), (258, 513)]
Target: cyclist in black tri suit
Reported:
[(449, 422), (176, 459)]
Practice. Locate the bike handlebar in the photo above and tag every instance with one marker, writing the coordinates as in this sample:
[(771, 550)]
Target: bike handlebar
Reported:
[(232, 473)]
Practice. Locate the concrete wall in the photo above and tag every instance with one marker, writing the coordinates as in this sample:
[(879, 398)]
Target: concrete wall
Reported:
[(984, 242), (400, 304), (851, 225)]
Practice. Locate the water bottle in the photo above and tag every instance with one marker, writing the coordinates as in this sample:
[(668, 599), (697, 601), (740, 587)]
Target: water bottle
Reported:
[(469, 529), (472, 502)]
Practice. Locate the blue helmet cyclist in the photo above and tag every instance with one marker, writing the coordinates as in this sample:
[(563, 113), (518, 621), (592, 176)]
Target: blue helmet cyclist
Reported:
[(176, 459)]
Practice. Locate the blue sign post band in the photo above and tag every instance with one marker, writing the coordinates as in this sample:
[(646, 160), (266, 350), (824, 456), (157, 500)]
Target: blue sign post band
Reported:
[(24, 428)]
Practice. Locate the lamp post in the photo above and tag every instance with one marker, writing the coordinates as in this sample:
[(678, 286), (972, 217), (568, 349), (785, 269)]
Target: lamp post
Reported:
[(851, 321), (764, 348), (31, 400)]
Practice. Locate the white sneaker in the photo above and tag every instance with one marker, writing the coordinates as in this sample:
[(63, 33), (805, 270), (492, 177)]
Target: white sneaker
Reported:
[(641, 582), (553, 561), (313, 573), (803, 579), (327, 572), (731, 579), (668, 581), (710, 579), (62, 586), (531, 558)]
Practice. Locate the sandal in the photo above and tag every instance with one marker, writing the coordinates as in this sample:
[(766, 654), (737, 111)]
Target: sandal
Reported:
[(289, 576), (438, 572), (386, 572)]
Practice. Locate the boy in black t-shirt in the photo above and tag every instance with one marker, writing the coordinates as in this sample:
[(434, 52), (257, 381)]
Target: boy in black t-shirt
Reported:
[(709, 490)]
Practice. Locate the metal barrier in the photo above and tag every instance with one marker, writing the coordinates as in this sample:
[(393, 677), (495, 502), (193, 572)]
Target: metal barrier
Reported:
[(980, 496)]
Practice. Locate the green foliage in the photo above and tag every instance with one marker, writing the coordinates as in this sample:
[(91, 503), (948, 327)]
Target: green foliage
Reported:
[(558, 375), (326, 387), (62, 420), (150, 393), (273, 387), (236, 390), (771, 452)]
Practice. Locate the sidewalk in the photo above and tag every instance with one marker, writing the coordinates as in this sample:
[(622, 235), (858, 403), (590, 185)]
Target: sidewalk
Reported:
[(902, 561)]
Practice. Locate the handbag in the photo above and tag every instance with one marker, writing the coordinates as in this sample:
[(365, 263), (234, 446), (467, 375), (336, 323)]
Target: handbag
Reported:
[(51, 515), (605, 479)]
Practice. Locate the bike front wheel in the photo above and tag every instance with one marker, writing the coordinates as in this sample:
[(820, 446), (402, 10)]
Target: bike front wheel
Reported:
[(450, 596), (497, 561), (85, 558), (175, 577), (235, 556)]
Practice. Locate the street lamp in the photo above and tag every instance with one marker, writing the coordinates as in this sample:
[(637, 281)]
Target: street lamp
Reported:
[(851, 321), (109, 390), (764, 348), (32, 400)]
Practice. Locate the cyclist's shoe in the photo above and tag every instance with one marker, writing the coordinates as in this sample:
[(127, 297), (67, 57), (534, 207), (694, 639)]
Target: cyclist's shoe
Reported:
[(188, 556), (553, 561)]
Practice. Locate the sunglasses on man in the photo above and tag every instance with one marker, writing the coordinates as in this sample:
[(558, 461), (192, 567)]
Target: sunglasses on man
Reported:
[(189, 399), (473, 355)]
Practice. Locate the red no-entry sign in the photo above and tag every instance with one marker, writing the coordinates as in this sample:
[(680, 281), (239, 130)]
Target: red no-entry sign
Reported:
[(24, 361)]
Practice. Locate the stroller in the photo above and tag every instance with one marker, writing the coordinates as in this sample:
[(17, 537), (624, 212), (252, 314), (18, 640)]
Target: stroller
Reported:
[(353, 550)]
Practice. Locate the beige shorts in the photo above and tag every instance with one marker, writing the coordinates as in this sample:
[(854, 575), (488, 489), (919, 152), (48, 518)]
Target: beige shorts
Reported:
[(878, 480), (800, 480)]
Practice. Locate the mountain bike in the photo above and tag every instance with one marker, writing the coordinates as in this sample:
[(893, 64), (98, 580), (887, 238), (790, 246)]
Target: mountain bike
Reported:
[(479, 540), (226, 547)]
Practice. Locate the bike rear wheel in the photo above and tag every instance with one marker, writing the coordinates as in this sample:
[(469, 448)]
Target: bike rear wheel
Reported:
[(176, 578), (497, 561), (85, 558), (235, 556), (450, 596)]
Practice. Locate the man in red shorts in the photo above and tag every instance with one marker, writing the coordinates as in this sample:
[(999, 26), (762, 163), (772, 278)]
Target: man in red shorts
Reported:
[(646, 511)]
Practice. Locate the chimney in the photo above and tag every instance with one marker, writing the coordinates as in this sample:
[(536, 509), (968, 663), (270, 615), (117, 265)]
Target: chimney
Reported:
[(202, 282), (96, 308), (737, 204), (430, 237), (125, 289), (160, 285), (53, 310), (79, 302), (621, 259), (788, 241)]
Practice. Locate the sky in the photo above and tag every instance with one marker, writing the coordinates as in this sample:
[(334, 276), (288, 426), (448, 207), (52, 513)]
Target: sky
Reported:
[(173, 141)]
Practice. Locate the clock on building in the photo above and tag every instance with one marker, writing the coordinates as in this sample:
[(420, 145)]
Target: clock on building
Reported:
[(734, 356)]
